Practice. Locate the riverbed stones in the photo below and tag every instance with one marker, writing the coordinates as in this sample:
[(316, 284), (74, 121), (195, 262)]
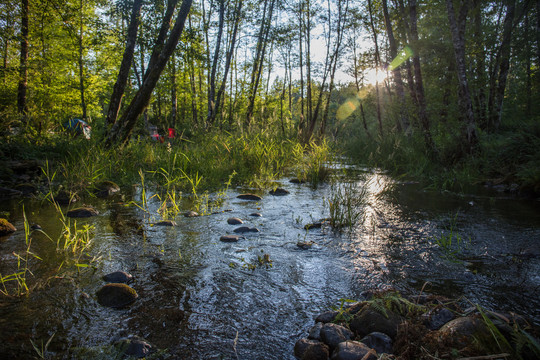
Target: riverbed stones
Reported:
[(246, 229), (297, 181), (191, 214), (304, 245), (353, 350), (64, 197), (116, 295), (315, 331), (279, 192), (234, 221), (256, 214), (6, 227), (118, 277), (135, 347), (370, 320), (326, 317), (306, 349), (82, 212), (379, 342), (435, 319), (106, 188), (333, 334), (230, 238), (249, 196), (165, 223), (462, 331)]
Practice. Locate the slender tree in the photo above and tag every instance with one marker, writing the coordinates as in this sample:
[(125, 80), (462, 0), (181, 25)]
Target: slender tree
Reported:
[(127, 60), (121, 130), (23, 69), (457, 28)]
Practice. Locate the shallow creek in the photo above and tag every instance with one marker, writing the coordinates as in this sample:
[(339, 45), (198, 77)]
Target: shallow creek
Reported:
[(198, 298)]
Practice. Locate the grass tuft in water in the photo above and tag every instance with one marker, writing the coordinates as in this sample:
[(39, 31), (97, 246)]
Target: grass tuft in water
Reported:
[(346, 204)]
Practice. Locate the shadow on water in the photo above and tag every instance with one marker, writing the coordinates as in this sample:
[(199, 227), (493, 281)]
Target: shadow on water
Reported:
[(200, 298)]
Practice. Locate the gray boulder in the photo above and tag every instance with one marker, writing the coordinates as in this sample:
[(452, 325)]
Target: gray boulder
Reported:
[(333, 334), (305, 349), (353, 350), (380, 342), (234, 221)]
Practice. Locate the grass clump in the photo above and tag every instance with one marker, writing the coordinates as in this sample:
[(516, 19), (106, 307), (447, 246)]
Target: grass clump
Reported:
[(346, 204)]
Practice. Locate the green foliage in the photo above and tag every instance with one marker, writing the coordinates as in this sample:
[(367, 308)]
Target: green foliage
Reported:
[(450, 241)]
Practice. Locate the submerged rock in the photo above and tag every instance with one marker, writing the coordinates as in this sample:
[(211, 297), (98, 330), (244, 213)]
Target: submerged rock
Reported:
[(230, 238), (26, 188), (106, 188), (191, 213), (256, 214), (165, 223), (317, 224), (297, 181), (279, 192), (353, 350), (246, 229), (305, 349), (116, 295), (304, 245), (234, 221), (118, 277), (6, 227), (249, 197), (9, 193), (82, 212), (326, 317), (65, 197), (135, 346)]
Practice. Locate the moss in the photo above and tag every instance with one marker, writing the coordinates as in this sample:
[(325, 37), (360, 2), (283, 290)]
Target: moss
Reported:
[(6, 227)]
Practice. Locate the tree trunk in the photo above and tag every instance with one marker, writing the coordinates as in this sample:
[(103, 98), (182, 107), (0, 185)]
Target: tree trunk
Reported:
[(377, 62), (127, 60), (403, 122), (422, 107), (174, 99), (121, 131), (221, 90), (23, 69), (262, 42), (81, 61), (480, 71), (502, 66), (457, 28), (211, 114)]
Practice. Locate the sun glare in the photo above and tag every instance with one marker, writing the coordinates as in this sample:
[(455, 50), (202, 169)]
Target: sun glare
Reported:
[(372, 76)]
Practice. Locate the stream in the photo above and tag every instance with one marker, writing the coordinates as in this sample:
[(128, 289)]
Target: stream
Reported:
[(199, 298)]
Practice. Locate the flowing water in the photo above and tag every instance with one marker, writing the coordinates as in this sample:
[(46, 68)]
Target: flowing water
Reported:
[(200, 298)]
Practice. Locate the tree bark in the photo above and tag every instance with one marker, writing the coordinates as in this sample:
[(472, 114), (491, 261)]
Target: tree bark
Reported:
[(211, 114), (457, 28), (121, 130), (422, 107), (403, 122), (81, 61), (262, 42), (23, 69), (127, 60), (377, 64)]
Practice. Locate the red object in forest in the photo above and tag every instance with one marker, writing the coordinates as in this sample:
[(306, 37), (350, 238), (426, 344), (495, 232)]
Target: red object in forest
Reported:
[(172, 133)]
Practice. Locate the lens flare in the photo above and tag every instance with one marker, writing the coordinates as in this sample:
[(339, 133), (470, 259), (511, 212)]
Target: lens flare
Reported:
[(401, 58), (345, 110)]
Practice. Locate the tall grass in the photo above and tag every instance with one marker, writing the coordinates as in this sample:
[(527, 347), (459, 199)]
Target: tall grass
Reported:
[(346, 204)]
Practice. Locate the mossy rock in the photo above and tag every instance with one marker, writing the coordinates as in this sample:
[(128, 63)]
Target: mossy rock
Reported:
[(118, 277), (249, 197), (279, 192), (64, 197), (116, 295), (6, 227), (82, 212), (106, 188), (165, 223)]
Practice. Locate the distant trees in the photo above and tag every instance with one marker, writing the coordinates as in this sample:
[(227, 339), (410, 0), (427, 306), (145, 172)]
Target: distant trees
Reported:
[(454, 68)]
